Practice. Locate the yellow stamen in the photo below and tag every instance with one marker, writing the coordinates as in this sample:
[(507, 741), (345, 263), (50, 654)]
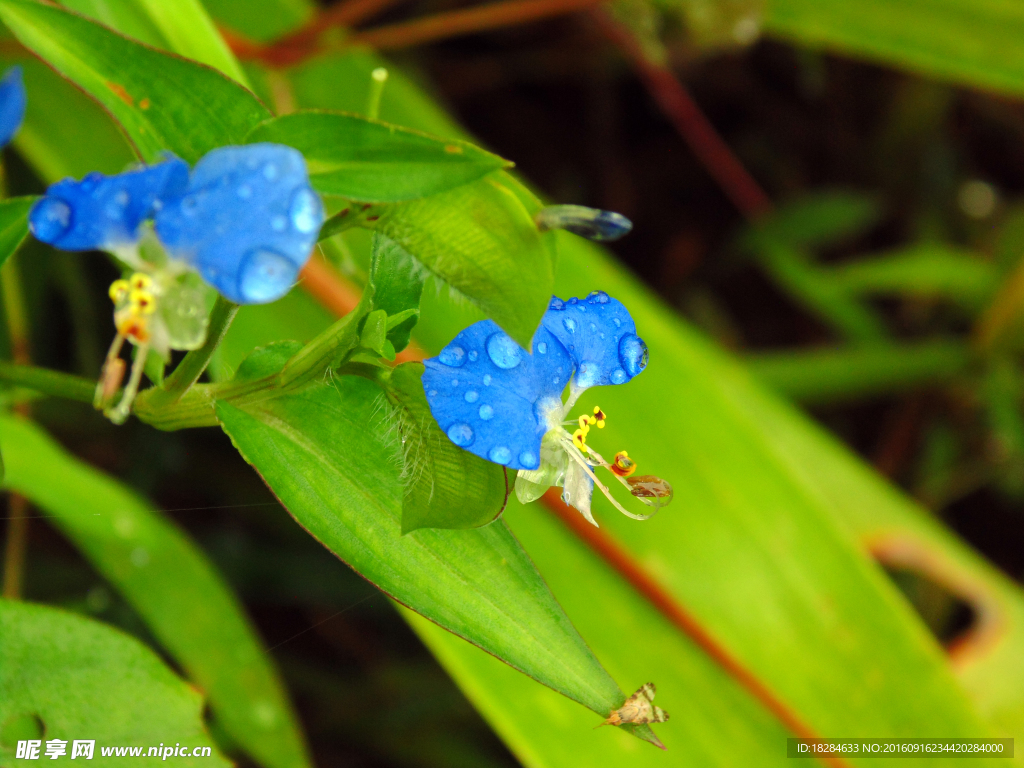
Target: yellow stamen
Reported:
[(142, 302), (141, 281), (118, 291), (579, 439)]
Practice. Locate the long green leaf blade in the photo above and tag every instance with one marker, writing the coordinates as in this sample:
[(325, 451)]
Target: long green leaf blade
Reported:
[(85, 680), (325, 453), (161, 101), (13, 224), (171, 585)]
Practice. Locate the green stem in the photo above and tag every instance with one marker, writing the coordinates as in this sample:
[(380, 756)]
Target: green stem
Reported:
[(48, 382), (327, 349), (194, 363)]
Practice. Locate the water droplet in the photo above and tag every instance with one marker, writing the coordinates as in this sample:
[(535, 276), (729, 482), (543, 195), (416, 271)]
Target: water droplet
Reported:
[(452, 356), (598, 297), (270, 171), (473, 355), (432, 393), (279, 223), (542, 348), (472, 396), (556, 303), (593, 327), (503, 352), (528, 459), (570, 324), (50, 218), (122, 198), (460, 434), (500, 455), (265, 276), (487, 379), (632, 354), (600, 335), (554, 380), (617, 322), (581, 307), (619, 376), (455, 382), (244, 192), (486, 412), (305, 211)]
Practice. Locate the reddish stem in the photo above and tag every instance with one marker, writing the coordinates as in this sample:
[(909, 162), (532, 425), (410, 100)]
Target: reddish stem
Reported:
[(465, 21), (698, 132)]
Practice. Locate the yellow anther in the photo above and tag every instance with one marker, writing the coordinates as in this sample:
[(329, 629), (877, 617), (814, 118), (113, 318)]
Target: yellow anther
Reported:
[(141, 281), (584, 422), (142, 302), (118, 291), (579, 439), (598, 418)]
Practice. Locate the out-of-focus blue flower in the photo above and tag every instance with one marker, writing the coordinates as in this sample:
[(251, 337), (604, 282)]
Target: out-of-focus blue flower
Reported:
[(600, 336), (247, 221), (12, 104), (591, 223), (492, 398), (105, 212)]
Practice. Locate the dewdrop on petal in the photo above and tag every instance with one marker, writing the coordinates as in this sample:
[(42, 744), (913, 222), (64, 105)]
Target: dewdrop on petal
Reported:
[(591, 223)]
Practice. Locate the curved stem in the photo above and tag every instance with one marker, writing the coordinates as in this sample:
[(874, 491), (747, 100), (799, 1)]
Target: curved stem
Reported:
[(47, 382), (194, 363)]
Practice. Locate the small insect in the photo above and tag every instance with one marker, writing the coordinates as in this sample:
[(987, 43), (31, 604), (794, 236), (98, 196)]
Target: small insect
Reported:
[(638, 709)]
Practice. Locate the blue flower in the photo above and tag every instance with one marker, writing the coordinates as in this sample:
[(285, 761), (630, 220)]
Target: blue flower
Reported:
[(247, 221), (12, 104), (601, 338), (493, 399), (105, 212)]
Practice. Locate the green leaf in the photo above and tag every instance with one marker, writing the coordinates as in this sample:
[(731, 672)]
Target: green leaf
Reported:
[(971, 43), (169, 582), (84, 680), (261, 20), (182, 26), (927, 270), (445, 486), (480, 240), (814, 287), (397, 281), (161, 101), (326, 453), (56, 147), (374, 162), (375, 331), (13, 224), (835, 375), (818, 220)]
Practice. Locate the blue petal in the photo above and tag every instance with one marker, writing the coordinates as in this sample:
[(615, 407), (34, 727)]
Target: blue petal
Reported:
[(490, 397), (600, 337), (248, 221), (104, 211), (12, 104), (591, 223)]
